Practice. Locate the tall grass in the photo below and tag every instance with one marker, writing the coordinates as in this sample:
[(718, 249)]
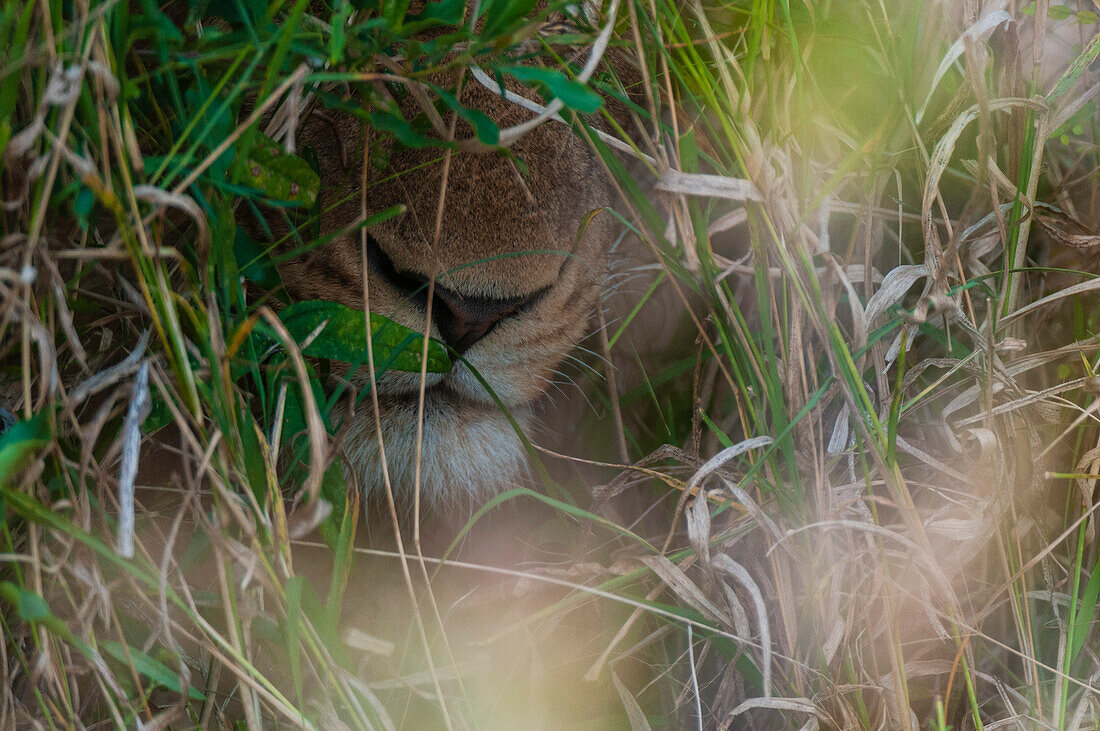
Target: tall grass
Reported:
[(858, 494), (896, 173)]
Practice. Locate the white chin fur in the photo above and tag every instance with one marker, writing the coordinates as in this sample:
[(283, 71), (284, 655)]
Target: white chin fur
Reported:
[(467, 452)]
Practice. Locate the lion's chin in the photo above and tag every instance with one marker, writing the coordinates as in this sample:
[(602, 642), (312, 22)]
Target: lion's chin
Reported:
[(468, 451)]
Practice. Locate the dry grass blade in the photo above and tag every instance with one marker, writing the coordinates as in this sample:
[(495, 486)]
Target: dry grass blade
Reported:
[(739, 574), (985, 25), (685, 589), (800, 705), (140, 405), (634, 712), (318, 441), (674, 181)]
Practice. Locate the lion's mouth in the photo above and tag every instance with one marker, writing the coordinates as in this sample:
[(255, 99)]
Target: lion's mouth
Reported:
[(463, 319), (494, 383)]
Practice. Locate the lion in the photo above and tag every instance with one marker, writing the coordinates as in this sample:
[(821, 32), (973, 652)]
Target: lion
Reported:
[(510, 247)]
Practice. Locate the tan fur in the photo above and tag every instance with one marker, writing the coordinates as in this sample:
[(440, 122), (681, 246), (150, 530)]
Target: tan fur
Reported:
[(496, 212)]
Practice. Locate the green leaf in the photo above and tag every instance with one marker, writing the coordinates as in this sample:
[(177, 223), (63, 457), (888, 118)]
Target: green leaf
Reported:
[(344, 338), (573, 94), (444, 12), (255, 471), (19, 442), (31, 607), (339, 36), (294, 416), (501, 15), (400, 128), (1079, 630), (151, 668), (254, 261), (334, 489), (280, 176), (159, 414), (160, 26), (83, 203), (341, 538), (9, 83), (1075, 125), (394, 12), (486, 129), (1082, 62), (5, 133)]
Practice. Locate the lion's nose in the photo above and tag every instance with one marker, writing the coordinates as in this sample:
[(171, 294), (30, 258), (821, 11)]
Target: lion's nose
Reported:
[(463, 320)]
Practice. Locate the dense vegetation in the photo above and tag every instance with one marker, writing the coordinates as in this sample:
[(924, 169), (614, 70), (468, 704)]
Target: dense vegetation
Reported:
[(860, 494)]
